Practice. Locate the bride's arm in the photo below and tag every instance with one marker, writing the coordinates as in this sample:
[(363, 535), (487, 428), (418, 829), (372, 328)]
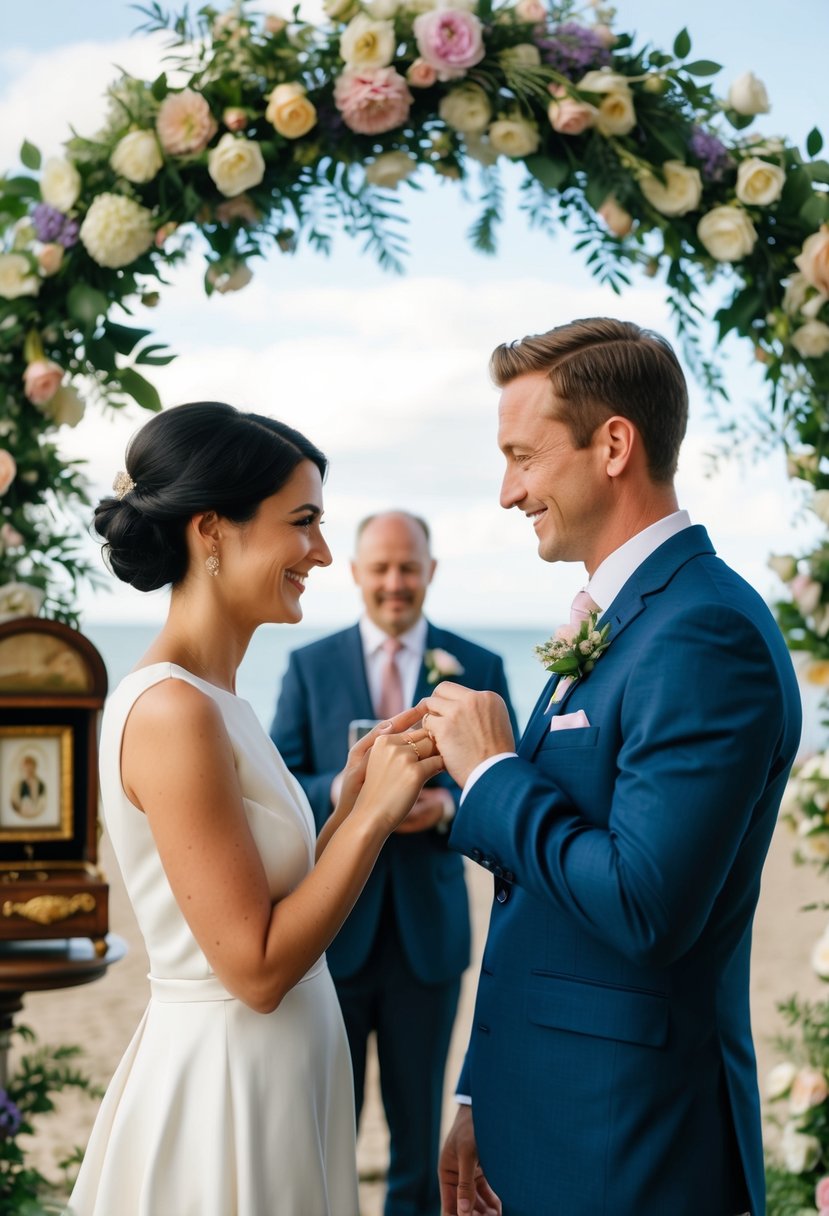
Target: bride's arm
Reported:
[(177, 766)]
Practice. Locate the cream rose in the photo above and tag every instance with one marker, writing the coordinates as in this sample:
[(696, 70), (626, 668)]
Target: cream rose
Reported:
[(811, 341), (66, 408), (727, 233), (19, 599), (813, 259), (382, 10), (616, 113), (338, 10), (116, 230), (466, 108), (236, 165), (797, 290), (783, 565), (759, 183), (368, 44), (779, 1080), (809, 1089), (17, 277), (41, 380), (60, 183), (389, 169), (137, 157), (678, 194), (747, 95), (290, 112), (800, 1153), (514, 137), (614, 215), (8, 470), (603, 80)]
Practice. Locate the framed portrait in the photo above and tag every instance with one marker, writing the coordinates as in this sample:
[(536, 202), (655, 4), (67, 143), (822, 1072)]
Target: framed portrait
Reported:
[(36, 782)]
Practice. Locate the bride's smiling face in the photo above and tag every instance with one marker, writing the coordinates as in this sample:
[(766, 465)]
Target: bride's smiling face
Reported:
[(264, 563)]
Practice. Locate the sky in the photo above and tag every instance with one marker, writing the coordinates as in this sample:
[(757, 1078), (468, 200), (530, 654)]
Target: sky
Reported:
[(388, 374)]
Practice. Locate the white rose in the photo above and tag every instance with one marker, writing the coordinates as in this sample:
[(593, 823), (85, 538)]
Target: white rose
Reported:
[(814, 846), (820, 957), (368, 44), (60, 183), (389, 169), (137, 157), (785, 567), (759, 183), (19, 599), (523, 55), (466, 108), (236, 165), (116, 230), (678, 194), (616, 113), (382, 10), (797, 290), (727, 233), (17, 277), (779, 1080), (811, 340), (514, 137), (748, 95), (603, 80), (800, 1153), (820, 505)]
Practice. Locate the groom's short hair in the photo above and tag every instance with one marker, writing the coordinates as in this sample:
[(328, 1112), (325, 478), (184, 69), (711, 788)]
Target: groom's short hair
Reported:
[(598, 367)]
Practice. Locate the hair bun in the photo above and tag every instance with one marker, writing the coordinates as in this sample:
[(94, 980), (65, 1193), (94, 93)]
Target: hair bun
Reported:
[(138, 550)]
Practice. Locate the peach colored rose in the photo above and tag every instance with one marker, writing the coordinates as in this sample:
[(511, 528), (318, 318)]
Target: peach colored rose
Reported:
[(531, 11), (617, 219), (290, 112), (184, 124), (809, 1089), (421, 75), (50, 258), (372, 102), (41, 380), (235, 118), (571, 117), (813, 259), (8, 470)]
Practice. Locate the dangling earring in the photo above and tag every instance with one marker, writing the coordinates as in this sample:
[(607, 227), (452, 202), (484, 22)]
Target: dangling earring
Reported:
[(211, 565)]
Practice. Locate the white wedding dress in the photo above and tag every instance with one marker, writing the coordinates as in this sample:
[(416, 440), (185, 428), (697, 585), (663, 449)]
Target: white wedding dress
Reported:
[(216, 1110)]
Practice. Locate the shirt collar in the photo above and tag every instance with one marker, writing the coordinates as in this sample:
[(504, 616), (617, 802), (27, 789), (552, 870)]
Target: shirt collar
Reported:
[(373, 636), (611, 575)]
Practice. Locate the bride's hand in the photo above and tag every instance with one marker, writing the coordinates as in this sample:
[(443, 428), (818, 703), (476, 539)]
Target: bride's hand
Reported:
[(396, 768), (354, 773)]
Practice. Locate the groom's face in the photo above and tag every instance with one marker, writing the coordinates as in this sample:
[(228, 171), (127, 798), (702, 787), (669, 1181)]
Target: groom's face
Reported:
[(562, 489)]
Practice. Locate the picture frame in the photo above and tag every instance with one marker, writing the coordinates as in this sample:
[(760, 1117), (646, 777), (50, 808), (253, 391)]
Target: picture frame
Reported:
[(36, 782)]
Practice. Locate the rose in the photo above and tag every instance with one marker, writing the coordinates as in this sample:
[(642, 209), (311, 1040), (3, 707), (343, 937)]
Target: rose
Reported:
[(19, 599), (809, 1089), (466, 108), (440, 664), (603, 80), (784, 566), (820, 505), (235, 118), (17, 277), (368, 44), (678, 194), (800, 1153), (616, 113), (813, 259), (236, 165), (605, 36), (41, 380), (10, 538), (116, 230), (389, 169), (274, 24), (779, 1080), (450, 39), (759, 183), (50, 258), (184, 123), (515, 137), (727, 233), (421, 75), (814, 840), (797, 289), (822, 1193), (137, 157), (811, 340), (338, 10), (66, 408), (478, 148), (60, 184), (617, 219), (531, 11), (290, 112), (569, 116), (372, 102), (747, 95), (8, 470), (522, 55), (382, 10), (806, 593)]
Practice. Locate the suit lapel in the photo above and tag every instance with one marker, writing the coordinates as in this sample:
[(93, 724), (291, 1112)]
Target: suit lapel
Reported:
[(354, 679), (434, 639)]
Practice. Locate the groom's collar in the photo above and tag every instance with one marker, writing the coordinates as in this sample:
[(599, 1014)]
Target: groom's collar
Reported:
[(612, 574)]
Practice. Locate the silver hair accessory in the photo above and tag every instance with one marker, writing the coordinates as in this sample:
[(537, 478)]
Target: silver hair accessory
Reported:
[(122, 484)]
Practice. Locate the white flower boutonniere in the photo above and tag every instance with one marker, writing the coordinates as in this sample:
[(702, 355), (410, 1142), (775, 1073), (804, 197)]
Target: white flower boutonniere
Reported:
[(440, 665), (574, 652)]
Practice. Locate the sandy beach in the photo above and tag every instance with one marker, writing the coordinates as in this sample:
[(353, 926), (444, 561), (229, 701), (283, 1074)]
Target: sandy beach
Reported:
[(103, 1015)]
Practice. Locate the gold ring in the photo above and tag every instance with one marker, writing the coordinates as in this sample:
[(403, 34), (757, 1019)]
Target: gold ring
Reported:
[(413, 745)]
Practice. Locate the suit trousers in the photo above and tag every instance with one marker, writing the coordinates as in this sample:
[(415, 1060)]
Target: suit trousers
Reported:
[(413, 1023)]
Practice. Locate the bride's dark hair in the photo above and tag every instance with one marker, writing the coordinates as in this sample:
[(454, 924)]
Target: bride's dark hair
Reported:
[(204, 456)]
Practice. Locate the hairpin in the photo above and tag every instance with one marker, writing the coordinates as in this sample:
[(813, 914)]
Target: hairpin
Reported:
[(122, 484)]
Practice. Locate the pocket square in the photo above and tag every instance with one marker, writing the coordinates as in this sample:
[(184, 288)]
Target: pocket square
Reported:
[(569, 721)]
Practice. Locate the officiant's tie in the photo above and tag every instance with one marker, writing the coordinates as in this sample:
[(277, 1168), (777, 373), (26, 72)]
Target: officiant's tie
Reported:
[(582, 606), (390, 701)]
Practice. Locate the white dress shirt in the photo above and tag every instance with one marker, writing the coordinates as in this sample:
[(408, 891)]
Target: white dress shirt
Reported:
[(409, 660)]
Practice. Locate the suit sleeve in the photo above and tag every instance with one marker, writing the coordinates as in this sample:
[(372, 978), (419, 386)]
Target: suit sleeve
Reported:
[(291, 732), (702, 720)]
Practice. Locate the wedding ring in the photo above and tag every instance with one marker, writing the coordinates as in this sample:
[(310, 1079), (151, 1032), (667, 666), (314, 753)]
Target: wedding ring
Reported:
[(413, 745)]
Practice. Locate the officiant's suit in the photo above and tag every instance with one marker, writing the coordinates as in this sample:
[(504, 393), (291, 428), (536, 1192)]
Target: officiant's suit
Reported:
[(611, 1067)]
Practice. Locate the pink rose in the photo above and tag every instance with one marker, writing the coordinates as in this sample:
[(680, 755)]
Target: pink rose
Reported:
[(822, 1193), (617, 219), (8, 470), (421, 75), (184, 124), (806, 593), (813, 259), (41, 380), (10, 538), (235, 118), (450, 39), (372, 102), (571, 117), (530, 10)]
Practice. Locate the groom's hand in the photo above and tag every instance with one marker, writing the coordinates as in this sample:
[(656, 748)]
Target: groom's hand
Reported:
[(468, 727), (464, 1191)]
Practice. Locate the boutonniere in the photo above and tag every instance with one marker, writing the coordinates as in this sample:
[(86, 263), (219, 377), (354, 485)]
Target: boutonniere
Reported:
[(440, 665), (574, 652)]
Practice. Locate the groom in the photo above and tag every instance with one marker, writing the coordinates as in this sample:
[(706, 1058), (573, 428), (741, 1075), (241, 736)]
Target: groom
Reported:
[(611, 1066)]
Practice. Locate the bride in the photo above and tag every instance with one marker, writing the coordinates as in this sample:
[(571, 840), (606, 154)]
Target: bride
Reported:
[(234, 1097)]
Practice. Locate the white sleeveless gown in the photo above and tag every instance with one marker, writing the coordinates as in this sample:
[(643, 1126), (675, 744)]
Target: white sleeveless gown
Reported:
[(216, 1110)]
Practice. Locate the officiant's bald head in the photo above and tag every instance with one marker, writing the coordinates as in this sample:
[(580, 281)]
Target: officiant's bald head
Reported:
[(393, 566)]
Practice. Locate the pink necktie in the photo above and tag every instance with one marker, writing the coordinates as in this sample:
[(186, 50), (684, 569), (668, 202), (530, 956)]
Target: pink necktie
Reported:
[(390, 701), (583, 604)]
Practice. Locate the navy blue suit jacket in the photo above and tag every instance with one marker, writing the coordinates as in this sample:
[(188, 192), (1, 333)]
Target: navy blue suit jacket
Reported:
[(325, 688), (611, 1059)]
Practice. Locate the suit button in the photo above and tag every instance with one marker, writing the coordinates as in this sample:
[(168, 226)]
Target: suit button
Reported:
[(476, 854), (502, 891), (486, 862), (509, 876), (498, 872)]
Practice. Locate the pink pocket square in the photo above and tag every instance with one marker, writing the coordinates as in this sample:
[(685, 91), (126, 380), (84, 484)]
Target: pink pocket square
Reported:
[(569, 721)]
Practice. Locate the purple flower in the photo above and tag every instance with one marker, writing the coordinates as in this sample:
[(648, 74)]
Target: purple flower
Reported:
[(52, 226), (573, 50), (10, 1116), (712, 154)]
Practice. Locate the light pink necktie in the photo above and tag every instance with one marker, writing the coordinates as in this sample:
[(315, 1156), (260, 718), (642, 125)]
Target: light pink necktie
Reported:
[(580, 609), (390, 701)]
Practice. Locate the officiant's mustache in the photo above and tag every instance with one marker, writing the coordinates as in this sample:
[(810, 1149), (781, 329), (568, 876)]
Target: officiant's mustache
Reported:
[(403, 597)]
